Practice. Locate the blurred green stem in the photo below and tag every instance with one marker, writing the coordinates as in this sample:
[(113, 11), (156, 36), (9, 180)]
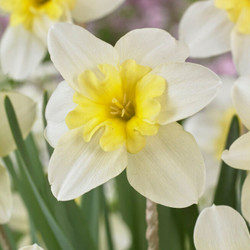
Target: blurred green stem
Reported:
[(4, 240), (152, 225)]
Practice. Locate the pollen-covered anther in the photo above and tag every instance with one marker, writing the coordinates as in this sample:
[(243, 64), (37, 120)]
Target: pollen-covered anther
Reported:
[(123, 110)]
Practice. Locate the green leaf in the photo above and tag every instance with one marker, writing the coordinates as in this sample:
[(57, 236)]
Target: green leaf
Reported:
[(170, 235), (176, 227), (79, 227), (36, 169), (132, 207), (37, 204), (91, 206), (67, 215), (225, 193)]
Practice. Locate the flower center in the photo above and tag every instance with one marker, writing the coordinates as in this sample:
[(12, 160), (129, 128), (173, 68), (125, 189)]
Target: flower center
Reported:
[(124, 109), (122, 100), (25, 12), (238, 12)]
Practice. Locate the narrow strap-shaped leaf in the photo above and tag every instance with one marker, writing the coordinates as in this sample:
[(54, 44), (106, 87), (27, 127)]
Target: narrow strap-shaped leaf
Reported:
[(226, 189), (91, 205), (176, 227), (170, 234), (36, 170), (16, 132), (33, 208), (79, 226)]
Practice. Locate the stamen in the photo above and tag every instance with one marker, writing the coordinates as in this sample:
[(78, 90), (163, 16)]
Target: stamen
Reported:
[(114, 108), (127, 105), (123, 110), (117, 103), (115, 112)]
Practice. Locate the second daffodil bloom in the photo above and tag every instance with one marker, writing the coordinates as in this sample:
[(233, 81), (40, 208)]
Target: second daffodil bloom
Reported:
[(213, 27), (221, 228), (118, 108), (24, 43), (238, 154)]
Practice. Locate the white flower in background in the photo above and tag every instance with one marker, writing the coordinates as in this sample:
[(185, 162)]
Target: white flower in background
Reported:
[(210, 128), (118, 109), (33, 247), (238, 154), (216, 26), (45, 77), (121, 234), (25, 109), (221, 228), (23, 44), (6, 201)]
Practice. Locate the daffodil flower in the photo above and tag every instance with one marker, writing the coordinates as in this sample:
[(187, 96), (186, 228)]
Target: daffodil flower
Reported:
[(117, 109), (23, 45), (25, 109), (210, 129), (221, 228), (213, 27), (238, 154), (6, 201)]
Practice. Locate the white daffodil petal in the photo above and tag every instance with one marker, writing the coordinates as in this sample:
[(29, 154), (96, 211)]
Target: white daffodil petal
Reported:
[(245, 198), (21, 52), (240, 44), (170, 169), (74, 50), (59, 105), (33, 247), (89, 10), (238, 154), (77, 167), (221, 228), (205, 29), (151, 47), (25, 109), (5, 196), (241, 100), (190, 87)]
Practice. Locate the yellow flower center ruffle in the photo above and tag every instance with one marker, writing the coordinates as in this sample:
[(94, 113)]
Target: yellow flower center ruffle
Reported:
[(122, 101), (238, 12), (25, 11)]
